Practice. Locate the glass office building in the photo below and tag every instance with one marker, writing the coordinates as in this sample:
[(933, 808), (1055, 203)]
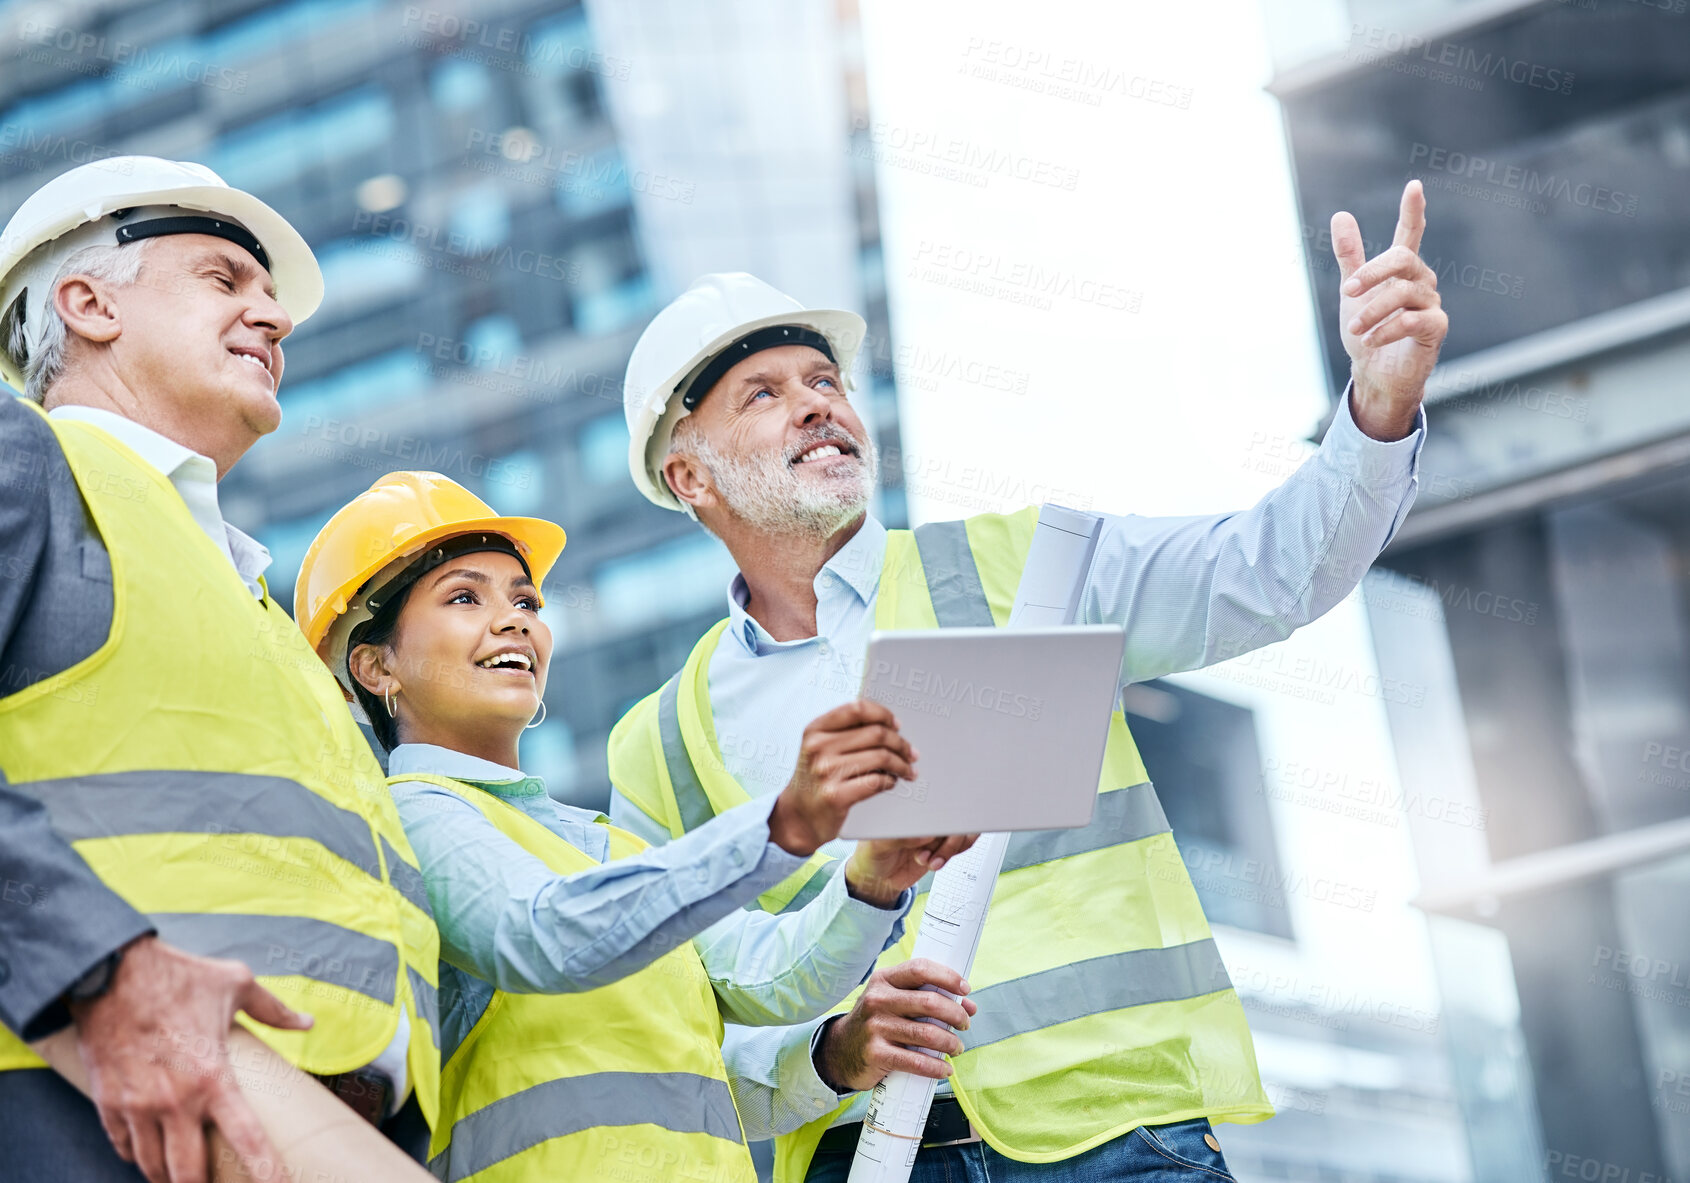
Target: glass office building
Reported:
[(1540, 591), (494, 233), (1276, 774)]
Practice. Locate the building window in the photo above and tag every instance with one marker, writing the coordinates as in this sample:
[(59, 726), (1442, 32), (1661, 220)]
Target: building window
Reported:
[(494, 342), (278, 149), (560, 51), (459, 86), (364, 272), (520, 480), (617, 307), (603, 446), (1203, 757), (69, 106), (355, 390), (481, 219), (668, 582), (278, 25), (599, 183)]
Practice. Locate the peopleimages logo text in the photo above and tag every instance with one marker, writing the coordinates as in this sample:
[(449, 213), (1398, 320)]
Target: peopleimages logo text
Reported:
[(1527, 181), (928, 684), (1378, 42), (144, 66)]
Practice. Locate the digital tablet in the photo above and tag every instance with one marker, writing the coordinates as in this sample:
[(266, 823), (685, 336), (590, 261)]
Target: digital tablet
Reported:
[(1010, 725)]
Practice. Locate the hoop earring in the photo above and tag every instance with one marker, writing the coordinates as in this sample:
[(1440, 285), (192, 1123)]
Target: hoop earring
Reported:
[(387, 698), (540, 720)]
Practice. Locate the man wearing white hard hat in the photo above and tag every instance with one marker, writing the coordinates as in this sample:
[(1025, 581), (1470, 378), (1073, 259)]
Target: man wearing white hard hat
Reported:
[(1108, 1037), (201, 825)]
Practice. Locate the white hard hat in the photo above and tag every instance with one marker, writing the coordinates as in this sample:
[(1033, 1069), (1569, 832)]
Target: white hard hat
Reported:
[(693, 331), (149, 196)]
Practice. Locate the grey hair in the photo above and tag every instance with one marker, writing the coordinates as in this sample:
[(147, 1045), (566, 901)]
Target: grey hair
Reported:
[(685, 437), (42, 366)]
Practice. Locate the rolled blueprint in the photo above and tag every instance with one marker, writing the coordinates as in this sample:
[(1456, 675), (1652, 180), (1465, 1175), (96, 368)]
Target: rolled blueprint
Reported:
[(1049, 594), (949, 934)]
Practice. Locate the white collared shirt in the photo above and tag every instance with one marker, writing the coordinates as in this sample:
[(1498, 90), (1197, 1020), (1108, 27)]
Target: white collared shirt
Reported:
[(194, 477)]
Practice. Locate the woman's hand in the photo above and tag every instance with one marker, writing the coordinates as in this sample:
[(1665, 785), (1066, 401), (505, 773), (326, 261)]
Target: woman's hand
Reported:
[(847, 755)]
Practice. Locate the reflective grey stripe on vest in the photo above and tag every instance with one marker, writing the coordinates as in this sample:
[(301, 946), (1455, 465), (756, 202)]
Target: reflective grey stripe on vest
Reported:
[(406, 879), (1125, 815), (695, 804), (1098, 984), (281, 945), (690, 797), (428, 1005), (677, 1101), (119, 804), (953, 581)]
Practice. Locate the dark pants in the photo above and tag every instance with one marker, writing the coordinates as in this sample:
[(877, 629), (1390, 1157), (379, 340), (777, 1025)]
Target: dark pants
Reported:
[(50, 1133), (1154, 1154)]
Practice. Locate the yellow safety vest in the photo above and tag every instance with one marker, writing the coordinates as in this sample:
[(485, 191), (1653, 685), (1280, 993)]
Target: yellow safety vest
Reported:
[(623, 1082), (1104, 1004), (203, 762)]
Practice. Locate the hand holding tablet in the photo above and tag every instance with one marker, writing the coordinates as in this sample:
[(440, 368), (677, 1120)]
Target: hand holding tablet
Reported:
[(1011, 726)]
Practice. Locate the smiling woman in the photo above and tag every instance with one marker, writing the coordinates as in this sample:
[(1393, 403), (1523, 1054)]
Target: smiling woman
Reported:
[(425, 604), (458, 656), (596, 972)]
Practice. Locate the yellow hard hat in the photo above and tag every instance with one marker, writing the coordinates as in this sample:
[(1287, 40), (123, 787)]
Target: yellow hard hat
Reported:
[(379, 533)]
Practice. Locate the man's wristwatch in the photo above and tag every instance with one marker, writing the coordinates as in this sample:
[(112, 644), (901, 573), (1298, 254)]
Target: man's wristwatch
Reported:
[(97, 980)]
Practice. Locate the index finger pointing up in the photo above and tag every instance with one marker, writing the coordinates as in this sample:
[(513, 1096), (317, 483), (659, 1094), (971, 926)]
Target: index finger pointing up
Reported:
[(1411, 218)]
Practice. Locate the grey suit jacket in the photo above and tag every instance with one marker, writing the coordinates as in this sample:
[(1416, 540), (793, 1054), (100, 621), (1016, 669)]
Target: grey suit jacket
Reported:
[(57, 920)]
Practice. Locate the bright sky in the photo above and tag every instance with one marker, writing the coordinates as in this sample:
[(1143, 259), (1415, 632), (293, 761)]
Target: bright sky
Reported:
[(1197, 402), (1185, 214)]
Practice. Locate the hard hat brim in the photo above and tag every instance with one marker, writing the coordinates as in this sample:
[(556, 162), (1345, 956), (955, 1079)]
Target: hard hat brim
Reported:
[(649, 443), (540, 541)]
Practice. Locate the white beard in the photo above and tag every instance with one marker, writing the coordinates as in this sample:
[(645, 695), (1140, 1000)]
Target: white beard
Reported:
[(770, 494)]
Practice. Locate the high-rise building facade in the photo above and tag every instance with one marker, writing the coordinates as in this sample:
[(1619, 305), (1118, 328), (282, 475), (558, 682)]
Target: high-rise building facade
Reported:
[(499, 203), (1538, 592)]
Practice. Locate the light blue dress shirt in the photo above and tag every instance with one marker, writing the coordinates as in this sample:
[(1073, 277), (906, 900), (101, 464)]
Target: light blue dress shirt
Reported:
[(1191, 591), (507, 920)]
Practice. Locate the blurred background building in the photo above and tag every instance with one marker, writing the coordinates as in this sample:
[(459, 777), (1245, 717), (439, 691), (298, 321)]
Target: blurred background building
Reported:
[(1539, 588), (501, 192)]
